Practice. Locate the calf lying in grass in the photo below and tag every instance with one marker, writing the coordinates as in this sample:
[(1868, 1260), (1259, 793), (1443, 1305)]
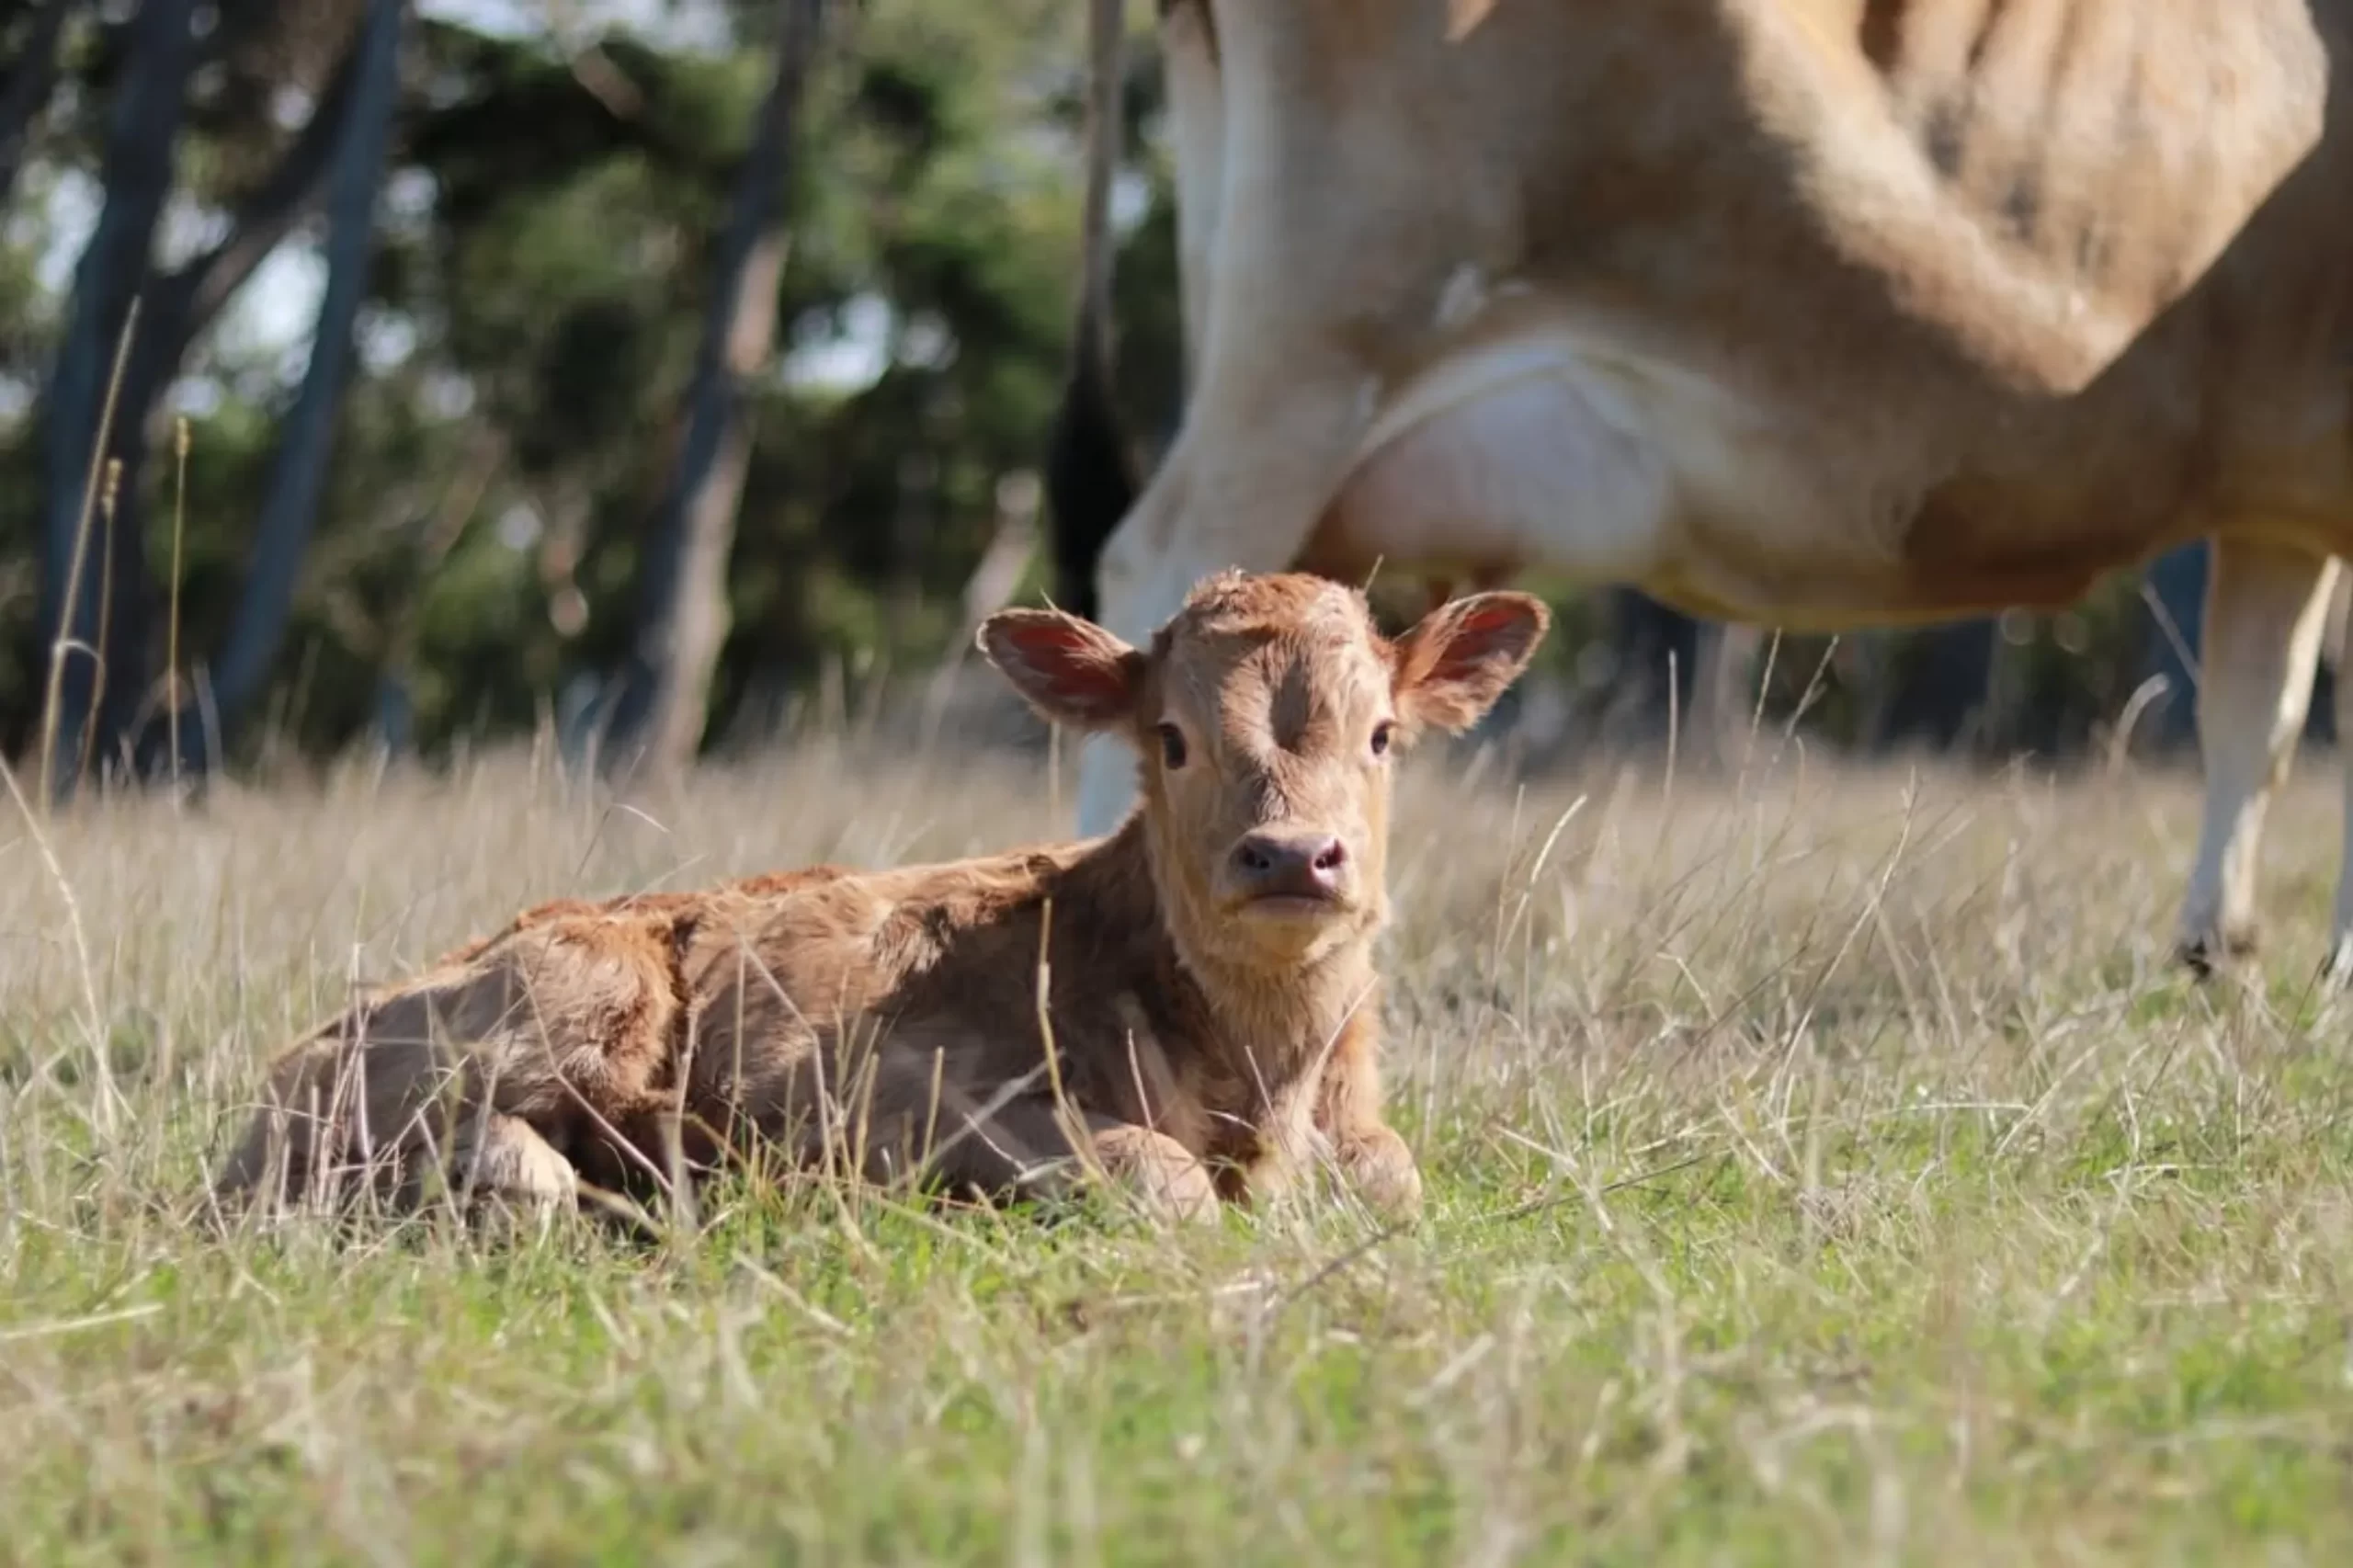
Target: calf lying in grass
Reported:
[(1208, 985)]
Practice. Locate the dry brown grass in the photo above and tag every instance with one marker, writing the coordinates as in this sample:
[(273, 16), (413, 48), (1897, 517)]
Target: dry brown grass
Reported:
[(1823, 1166)]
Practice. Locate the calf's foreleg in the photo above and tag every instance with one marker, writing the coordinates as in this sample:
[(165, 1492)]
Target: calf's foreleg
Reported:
[(1369, 1153)]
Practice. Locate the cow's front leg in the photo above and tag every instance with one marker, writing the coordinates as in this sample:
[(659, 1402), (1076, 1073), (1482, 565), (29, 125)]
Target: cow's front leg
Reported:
[(2266, 605), (1269, 428), (1370, 1154), (1029, 1146), (1150, 564)]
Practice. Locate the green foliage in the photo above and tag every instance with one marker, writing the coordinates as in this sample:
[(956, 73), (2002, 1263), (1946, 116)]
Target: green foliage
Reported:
[(546, 264)]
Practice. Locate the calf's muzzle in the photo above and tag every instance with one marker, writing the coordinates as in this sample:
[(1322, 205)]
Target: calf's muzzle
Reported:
[(1274, 864)]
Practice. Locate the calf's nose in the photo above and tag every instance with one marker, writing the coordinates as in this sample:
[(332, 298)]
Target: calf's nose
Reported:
[(1295, 865)]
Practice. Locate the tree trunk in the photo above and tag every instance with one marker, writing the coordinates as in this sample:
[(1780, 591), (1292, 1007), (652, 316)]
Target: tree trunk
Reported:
[(137, 168), (179, 308), (659, 714), (289, 505), (1926, 686), (1657, 650), (1723, 693), (2176, 583), (396, 723), (31, 78)]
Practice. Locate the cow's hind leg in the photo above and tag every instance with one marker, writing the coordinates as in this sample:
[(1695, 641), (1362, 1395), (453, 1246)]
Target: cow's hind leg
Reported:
[(561, 1025), (502, 1159), (308, 1137), (2266, 605), (1025, 1147)]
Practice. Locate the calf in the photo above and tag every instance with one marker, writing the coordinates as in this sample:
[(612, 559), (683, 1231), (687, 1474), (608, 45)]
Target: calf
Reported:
[(1189, 1003)]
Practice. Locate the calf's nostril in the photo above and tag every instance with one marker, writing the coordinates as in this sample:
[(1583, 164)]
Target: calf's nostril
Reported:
[(1332, 857)]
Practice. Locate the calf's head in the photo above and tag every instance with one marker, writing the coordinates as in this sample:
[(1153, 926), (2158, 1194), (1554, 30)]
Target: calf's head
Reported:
[(1265, 716)]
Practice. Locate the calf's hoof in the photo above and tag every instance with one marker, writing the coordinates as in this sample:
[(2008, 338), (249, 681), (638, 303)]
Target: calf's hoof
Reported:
[(509, 1163), (1172, 1183), (1381, 1168)]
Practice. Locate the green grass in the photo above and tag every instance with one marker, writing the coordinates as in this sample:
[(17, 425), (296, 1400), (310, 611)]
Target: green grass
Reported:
[(1824, 1168)]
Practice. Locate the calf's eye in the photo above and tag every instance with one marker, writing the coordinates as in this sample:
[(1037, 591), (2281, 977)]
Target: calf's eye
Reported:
[(1172, 746), (1381, 737)]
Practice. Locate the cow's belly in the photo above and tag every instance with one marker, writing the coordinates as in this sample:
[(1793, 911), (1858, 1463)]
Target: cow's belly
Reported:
[(1558, 449)]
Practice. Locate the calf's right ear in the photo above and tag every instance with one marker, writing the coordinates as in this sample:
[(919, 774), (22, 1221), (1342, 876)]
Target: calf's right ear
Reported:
[(1459, 658), (1069, 670)]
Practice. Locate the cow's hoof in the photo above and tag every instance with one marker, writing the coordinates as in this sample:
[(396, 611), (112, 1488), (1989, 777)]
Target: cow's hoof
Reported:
[(2336, 970), (2208, 956)]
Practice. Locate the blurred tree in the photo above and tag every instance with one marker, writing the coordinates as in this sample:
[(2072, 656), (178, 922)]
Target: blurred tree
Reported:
[(31, 76), (177, 308), (2177, 582), (1928, 687), (141, 134), (1653, 666), (283, 527), (664, 696)]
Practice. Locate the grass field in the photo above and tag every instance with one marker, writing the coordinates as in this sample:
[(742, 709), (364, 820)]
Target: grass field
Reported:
[(1824, 1168)]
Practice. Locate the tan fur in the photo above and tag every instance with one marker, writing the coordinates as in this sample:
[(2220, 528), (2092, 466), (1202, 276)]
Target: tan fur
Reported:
[(890, 1021)]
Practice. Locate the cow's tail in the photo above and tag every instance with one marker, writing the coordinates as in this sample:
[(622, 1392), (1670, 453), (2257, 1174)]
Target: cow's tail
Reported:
[(1091, 476)]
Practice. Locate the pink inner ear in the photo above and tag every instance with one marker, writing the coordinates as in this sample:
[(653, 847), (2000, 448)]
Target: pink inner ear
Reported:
[(1475, 637), (1070, 663)]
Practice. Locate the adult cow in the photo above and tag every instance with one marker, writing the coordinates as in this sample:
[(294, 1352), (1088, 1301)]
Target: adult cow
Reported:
[(1822, 314)]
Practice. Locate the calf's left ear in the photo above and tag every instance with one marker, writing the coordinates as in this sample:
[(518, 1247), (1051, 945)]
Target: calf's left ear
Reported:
[(1459, 658), (1072, 670)]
